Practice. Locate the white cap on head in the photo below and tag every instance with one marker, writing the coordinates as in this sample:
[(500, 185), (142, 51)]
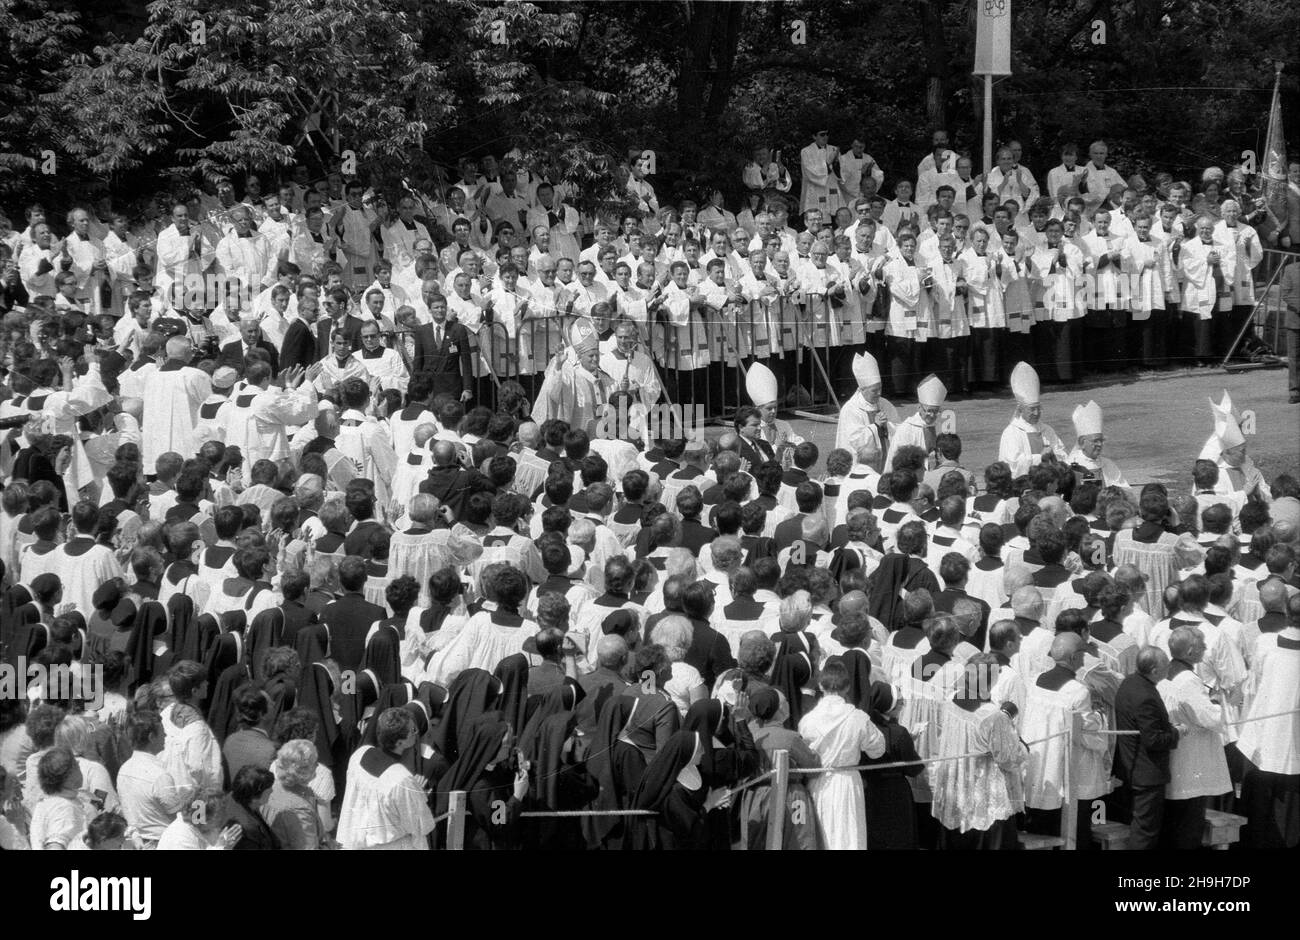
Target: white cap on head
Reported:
[(1229, 433), (1087, 419), (931, 392), (761, 385), (1024, 384), (866, 371)]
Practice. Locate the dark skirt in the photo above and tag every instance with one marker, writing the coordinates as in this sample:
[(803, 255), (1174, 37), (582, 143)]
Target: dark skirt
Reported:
[(1000, 836), (1271, 803), (891, 820)]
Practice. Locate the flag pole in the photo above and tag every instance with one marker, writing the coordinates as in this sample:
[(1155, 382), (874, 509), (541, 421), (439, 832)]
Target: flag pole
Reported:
[(988, 125)]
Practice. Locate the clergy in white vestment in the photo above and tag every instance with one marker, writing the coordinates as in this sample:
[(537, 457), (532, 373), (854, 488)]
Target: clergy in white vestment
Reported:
[(1198, 767), (286, 403), (919, 429), (1054, 702), (867, 419), (840, 733), (179, 251), (575, 393), (1027, 439), (412, 468), (385, 806), (172, 397), (1270, 743), (82, 563), (821, 187), (1086, 459), (630, 368)]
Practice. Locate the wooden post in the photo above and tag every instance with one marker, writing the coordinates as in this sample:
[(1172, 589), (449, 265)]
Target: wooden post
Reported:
[(1068, 810), (456, 804), (776, 808)]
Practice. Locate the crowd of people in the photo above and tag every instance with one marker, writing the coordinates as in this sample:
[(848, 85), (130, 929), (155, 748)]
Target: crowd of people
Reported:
[(307, 560)]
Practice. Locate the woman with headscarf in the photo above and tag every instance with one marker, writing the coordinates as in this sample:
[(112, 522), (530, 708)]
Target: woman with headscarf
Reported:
[(560, 781), (495, 780), (730, 758), (891, 817), (473, 693), (617, 766), (512, 673), (674, 788), (384, 651), (771, 734)]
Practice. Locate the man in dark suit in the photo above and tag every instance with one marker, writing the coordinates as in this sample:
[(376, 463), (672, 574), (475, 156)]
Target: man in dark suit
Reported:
[(448, 480), (954, 570), (808, 497), (442, 348), (299, 345), (1142, 760), (695, 534), (350, 617), (235, 352), (336, 318), (710, 652)]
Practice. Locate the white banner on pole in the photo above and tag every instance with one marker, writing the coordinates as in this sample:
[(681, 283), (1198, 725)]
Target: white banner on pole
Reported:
[(992, 37)]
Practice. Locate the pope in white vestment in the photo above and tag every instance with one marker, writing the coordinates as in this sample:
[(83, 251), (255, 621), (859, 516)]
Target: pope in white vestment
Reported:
[(575, 393), (866, 420)]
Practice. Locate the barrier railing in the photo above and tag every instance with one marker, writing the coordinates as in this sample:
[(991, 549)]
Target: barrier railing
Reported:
[(779, 780), (1268, 315)]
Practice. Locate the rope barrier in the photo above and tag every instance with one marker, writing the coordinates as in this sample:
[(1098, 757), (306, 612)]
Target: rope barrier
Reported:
[(911, 763)]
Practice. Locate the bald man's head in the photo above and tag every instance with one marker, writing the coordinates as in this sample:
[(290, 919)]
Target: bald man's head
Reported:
[(1187, 644), (729, 441), (1067, 650), (424, 433), (444, 453), (852, 605), (1152, 663), (179, 349), (1027, 603), (611, 652), (1273, 596)]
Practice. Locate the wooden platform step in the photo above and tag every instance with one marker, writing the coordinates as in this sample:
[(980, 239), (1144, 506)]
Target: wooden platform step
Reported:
[(1221, 831), (1036, 843)]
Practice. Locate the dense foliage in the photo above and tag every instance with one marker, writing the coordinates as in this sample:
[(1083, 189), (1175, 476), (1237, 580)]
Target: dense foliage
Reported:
[(124, 95)]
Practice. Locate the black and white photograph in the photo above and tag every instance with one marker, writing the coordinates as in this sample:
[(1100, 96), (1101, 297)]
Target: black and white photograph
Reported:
[(677, 426)]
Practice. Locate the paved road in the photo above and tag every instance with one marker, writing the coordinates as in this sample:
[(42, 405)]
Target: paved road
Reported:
[(1155, 424)]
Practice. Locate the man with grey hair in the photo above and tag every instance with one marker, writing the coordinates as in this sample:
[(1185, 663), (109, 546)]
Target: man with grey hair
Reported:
[(173, 395), (810, 548), (726, 555), (309, 491), (1142, 760), (247, 254), (530, 469), (1014, 577)]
